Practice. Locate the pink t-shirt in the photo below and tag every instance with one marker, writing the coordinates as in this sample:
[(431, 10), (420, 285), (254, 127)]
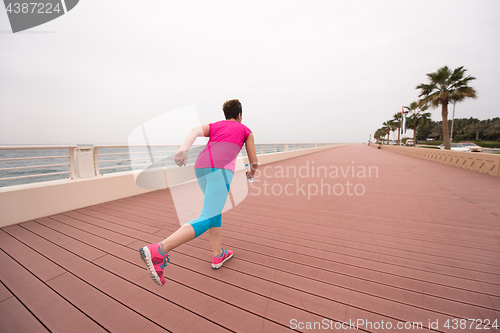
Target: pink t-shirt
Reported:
[(226, 140)]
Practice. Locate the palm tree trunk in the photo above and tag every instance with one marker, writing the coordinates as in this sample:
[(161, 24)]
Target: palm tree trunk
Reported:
[(399, 133), (446, 132), (415, 136)]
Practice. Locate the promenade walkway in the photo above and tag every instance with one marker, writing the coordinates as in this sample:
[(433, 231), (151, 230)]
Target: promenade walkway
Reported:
[(407, 240)]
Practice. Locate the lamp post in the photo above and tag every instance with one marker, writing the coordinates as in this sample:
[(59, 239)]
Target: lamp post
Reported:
[(452, 121)]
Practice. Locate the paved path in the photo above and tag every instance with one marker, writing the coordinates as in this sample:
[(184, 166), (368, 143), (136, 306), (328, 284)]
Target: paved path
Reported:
[(414, 241)]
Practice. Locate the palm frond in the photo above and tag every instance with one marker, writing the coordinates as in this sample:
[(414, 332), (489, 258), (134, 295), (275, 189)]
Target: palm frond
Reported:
[(445, 86)]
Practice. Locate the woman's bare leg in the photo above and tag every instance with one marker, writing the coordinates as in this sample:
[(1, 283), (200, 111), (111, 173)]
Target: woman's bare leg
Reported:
[(181, 236), (215, 233)]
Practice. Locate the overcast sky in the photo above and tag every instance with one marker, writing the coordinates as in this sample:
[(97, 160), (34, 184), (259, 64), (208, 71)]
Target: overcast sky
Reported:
[(304, 71)]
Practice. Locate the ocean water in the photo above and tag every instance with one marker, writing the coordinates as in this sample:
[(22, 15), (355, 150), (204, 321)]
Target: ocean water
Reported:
[(129, 158)]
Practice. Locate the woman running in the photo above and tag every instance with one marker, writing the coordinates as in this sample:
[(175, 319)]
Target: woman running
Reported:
[(214, 169)]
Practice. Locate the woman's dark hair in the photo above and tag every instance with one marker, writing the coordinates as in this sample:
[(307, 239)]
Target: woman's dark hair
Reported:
[(232, 108)]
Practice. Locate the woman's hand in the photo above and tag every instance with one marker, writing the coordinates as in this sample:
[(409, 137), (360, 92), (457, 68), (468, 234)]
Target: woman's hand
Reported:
[(252, 155), (180, 157)]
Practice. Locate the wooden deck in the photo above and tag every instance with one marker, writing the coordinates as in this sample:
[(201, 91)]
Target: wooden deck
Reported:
[(421, 244)]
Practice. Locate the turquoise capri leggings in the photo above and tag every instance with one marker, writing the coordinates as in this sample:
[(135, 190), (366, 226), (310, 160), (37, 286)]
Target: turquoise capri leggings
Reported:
[(214, 183)]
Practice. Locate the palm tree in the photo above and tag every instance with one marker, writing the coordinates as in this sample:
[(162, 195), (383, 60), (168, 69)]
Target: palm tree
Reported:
[(417, 118), (397, 118), (378, 133), (386, 131), (389, 126), (444, 87), (476, 126), (437, 130), (492, 131)]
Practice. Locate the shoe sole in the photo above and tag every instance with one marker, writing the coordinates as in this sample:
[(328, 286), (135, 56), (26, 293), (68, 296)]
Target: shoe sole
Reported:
[(146, 258), (217, 266)]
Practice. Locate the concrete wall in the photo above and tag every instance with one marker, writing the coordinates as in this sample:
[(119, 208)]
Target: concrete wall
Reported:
[(21, 203), (479, 162)]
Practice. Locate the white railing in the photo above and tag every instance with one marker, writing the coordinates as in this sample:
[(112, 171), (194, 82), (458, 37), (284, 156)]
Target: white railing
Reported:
[(261, 149), (96, 164), (271, 148), (169, 149), (70, 163)]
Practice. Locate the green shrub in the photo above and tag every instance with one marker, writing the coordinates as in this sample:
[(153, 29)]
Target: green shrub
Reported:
[(431, 143), (488, 144)]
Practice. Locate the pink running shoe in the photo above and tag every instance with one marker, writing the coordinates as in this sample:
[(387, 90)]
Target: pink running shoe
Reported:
[(218, 261), (155, 262)]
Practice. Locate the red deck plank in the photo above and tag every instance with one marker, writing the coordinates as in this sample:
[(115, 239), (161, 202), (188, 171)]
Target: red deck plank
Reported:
[(57, 314), (4, 293), (110, 314), (16, 318)]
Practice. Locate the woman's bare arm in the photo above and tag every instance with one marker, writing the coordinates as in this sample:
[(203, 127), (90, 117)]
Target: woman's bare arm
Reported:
[(180, 157), (252, 155)]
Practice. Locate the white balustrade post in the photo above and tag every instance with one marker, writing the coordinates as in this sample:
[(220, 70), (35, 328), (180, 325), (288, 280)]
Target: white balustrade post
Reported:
[(84, 162), (71, 161), (96, 160)]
